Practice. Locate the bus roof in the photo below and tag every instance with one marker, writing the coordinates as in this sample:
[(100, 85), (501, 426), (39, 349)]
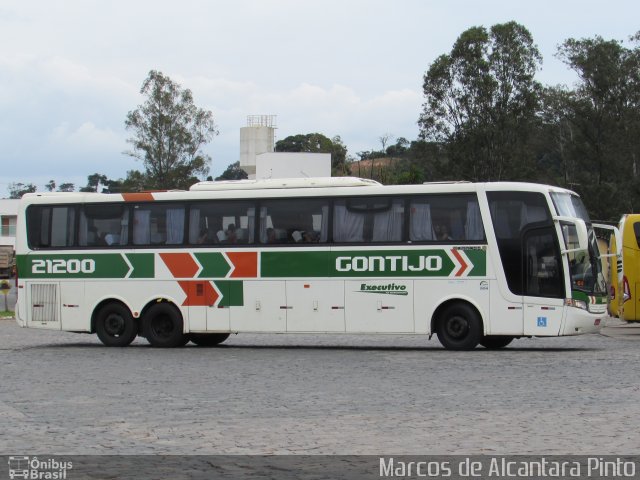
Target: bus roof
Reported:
[(283, 188), (270, 183)]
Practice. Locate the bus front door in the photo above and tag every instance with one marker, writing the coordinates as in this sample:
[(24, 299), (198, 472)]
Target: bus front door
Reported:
[(543, 285)]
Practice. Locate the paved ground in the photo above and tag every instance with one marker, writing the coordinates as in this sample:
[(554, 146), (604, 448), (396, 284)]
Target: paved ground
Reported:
[(63, 393)]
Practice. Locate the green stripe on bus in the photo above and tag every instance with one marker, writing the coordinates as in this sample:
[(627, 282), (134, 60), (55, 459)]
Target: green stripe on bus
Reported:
[(214, 265), (232, 293), (371, 263), (478, 257), (143, 265)]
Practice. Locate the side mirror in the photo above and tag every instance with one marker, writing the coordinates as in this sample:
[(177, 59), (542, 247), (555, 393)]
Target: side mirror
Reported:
[(575, 233), (616, 235)]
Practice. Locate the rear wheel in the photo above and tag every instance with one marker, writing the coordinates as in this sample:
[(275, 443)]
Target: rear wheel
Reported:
[(163, 326), (495, 341), (459, 327), (208, 339), (115, 326)]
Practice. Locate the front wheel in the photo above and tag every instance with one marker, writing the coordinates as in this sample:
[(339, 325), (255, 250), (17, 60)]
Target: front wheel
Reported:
[(163, 326), (208, 339), (115, 326), (493, 342), (459, 327)]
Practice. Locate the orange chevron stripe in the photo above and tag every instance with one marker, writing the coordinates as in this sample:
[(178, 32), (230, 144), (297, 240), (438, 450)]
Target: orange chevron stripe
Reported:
[(245, 263), (199, 294), (138, 197), (181, 265), (463, 264)]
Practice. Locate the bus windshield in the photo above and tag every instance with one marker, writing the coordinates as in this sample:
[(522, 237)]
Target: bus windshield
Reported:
[(585, 266)]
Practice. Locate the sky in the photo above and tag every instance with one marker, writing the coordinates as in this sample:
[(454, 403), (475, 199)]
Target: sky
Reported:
[(71, 70)]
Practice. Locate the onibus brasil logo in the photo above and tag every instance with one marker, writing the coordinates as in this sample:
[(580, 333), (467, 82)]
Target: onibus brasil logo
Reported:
[(38, 469)]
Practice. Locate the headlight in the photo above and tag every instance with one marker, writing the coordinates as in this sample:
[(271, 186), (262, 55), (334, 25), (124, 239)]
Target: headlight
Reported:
[(572, 302)]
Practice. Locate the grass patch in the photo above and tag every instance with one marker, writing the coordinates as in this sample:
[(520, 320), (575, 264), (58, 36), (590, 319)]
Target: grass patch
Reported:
[(6, 313)]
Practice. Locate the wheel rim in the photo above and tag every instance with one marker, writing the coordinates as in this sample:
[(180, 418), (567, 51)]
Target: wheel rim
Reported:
[(114, 325), (457, 327)]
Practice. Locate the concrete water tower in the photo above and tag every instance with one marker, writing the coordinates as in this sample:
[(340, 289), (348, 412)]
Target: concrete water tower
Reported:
[(256, 138)]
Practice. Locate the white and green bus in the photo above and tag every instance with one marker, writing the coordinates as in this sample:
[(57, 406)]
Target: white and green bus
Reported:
[(473, 263)]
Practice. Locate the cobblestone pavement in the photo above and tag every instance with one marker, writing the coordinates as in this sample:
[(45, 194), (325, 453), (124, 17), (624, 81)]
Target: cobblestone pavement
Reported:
[(63, 393)]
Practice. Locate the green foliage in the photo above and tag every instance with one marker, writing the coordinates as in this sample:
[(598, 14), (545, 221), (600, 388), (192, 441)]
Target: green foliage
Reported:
[(168, 133), (596, 126), (233, 172), (16, 190), (318, 143), (481, 101)]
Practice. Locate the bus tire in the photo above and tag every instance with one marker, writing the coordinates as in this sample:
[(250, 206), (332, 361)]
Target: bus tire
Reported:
[(459, 327), (115, 326), (208, 339), (493, 342), (163, 326)]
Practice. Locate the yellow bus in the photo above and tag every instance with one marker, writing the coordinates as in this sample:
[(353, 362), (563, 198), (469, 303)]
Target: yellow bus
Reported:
[(625, 279)]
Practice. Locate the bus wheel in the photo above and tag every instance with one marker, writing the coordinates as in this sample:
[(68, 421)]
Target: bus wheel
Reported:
[(208, 339), (495, 341), (115, 326), (459, 327), (163, 326)]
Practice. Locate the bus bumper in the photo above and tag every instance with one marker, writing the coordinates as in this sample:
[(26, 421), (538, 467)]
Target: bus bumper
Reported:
[(580, 321)]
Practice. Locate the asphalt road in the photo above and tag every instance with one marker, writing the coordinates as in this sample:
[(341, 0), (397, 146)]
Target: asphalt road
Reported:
[(64, 393)]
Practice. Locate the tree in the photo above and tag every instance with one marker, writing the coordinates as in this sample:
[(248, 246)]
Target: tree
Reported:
[(66, 187), (16, 190), (481, 101), (318, 143), (233, 172), (599, 123), (51, 186), (168, 134), (94, 181)]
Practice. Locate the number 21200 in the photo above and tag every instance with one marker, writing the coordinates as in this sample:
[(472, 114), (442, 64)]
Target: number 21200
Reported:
[(73, 265)]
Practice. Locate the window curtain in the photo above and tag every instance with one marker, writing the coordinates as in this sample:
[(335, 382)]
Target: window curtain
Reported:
[(324, 224), (500, 221), (251, 225), (141, 227), (347, 226), (263, 225), (83, 232), (421, 225), (124, 228), (473, 227), (387, 226), (194, 225), (531, 214), (175, 226)]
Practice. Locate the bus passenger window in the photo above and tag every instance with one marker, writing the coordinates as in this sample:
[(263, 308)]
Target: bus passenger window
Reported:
[(158, 224), (103, 225), (302, 222), (445, 218), (221, 223), (368, 219)]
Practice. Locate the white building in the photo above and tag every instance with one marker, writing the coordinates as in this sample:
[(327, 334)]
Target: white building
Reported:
[(8, 218), (257, 158)]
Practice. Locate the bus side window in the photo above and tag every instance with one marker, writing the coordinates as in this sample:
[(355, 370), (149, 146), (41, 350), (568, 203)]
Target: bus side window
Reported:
[(303, 221), (445, 218), (158, 224), (636, 230), (368, 219), (226, 222), (51, 226), (103, 225)]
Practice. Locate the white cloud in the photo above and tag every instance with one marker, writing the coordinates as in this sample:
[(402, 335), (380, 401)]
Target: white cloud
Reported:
[(87, 137)]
